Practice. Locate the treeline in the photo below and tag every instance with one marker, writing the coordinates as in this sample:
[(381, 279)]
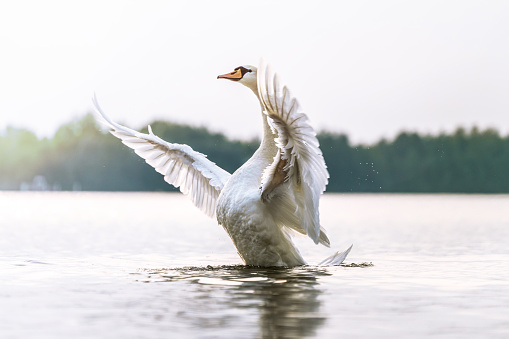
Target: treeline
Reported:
[(80, 156)]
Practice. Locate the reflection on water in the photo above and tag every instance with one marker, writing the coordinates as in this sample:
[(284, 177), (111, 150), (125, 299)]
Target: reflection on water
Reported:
[(85, 266), (286, 300)]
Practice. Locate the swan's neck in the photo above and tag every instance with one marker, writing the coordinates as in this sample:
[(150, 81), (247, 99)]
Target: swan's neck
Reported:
[(251, 172), (268, 148), (267, 142)]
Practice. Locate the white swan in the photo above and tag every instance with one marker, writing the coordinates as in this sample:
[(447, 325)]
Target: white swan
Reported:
[(274, 194)]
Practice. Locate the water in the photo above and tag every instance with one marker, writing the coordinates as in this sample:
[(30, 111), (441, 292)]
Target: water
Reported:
[(150, 265)]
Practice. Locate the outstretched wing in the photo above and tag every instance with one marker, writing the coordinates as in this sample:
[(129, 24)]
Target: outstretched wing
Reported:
[(293, 183), (182, 167)]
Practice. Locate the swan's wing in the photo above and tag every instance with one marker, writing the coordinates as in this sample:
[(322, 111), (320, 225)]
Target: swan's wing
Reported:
[(182, 167), (293, 183)]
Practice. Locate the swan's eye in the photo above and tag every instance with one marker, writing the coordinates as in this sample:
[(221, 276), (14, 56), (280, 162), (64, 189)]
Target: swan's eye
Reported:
[(237, 74), (243, 70)]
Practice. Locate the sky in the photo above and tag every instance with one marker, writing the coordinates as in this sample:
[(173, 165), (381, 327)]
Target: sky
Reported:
[(369, 69)]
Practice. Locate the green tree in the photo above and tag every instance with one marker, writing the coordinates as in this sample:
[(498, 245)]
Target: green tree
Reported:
[(81, 156)]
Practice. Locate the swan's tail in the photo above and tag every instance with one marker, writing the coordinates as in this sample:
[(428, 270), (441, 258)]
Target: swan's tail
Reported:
[(336, 259)]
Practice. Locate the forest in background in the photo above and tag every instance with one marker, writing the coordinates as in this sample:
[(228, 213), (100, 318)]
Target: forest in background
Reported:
[(82, 157)]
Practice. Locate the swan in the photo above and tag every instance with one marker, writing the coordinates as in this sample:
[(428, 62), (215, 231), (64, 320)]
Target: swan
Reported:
[(270, 198)]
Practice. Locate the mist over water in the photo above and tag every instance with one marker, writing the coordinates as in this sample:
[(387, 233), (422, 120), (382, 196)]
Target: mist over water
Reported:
[(150, 265)]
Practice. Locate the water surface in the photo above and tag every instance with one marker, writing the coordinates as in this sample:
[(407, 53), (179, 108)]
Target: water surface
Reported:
[(150, 265)]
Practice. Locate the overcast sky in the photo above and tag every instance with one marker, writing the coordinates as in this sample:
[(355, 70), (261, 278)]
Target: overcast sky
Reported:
[(366, 68)]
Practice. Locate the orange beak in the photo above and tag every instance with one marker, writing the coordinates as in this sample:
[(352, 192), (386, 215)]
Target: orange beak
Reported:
[(235, 75)]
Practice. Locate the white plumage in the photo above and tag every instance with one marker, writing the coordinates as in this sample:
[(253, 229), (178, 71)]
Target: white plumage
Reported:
[(182, 167), (274, 194)]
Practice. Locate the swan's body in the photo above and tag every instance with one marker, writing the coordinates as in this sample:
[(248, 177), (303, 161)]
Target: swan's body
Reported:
[(274, 194)]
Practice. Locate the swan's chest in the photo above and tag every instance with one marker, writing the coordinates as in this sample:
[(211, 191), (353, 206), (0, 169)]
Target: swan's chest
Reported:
[(239, 208), (249, 224), (240, 197)]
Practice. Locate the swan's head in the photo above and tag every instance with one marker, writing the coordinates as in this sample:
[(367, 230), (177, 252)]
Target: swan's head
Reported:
[(245, 75)]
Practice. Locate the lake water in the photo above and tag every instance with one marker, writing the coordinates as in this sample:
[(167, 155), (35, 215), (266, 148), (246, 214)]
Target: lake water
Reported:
[(150, 265)]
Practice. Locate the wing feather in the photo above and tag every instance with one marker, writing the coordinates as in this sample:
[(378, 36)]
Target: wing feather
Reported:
[(195, 175), (294, 199)]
